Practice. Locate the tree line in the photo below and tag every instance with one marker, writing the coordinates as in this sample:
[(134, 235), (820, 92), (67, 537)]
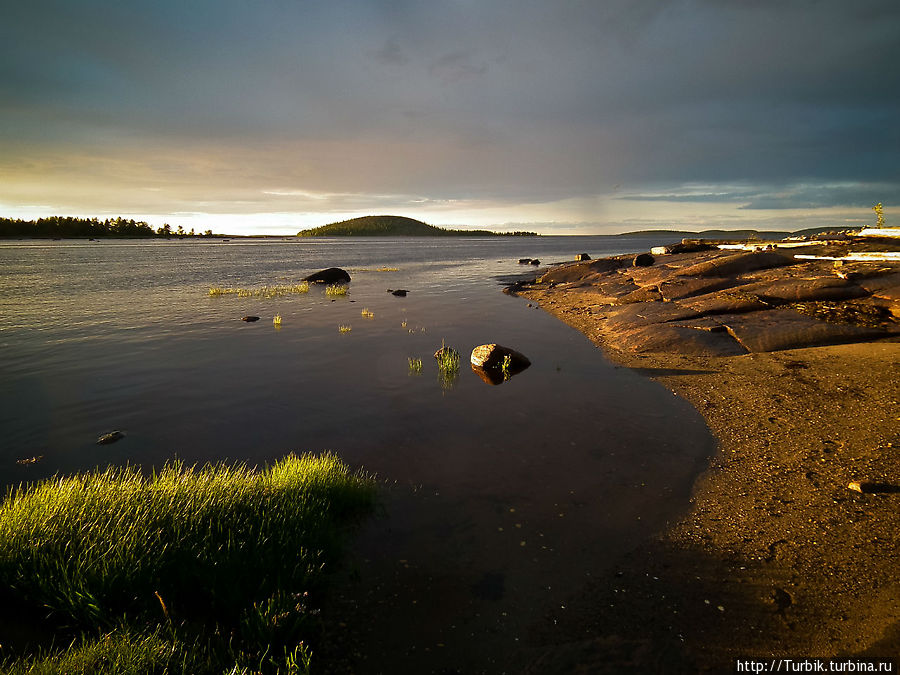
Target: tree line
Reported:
[(69, 227)]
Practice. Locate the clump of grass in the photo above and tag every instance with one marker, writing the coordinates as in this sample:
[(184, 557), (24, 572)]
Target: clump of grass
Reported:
[(506, 366), (345, 329), (264, 292), (335, 290), (448, 365), (415, 366), (367, 314), (388, 269), (276, 320), (194, 549), (118, 652)]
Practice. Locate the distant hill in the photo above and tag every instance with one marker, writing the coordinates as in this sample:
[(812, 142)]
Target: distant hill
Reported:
[(395, 226)]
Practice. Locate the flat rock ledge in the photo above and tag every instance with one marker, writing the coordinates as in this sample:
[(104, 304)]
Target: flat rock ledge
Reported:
[(713, 302)]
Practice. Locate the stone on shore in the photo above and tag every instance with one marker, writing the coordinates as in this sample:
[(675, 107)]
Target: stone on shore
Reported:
[(714, 302), (740, 263), (332, 275), (779, 329), (643, 260), (582, 256)]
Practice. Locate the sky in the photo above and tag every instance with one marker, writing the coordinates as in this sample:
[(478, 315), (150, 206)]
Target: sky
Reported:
[(557, 116)]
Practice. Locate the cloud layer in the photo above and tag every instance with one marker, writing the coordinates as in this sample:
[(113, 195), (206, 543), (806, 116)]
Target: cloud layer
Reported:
[(445, 109)]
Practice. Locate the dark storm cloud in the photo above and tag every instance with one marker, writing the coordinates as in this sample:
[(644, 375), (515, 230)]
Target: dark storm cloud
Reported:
[(504, 101)]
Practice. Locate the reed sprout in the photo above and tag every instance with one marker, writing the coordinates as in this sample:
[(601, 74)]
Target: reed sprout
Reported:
[(335, 290), (448, 365)]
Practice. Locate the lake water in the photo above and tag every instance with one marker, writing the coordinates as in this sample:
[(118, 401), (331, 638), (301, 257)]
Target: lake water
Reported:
[(499, 499)]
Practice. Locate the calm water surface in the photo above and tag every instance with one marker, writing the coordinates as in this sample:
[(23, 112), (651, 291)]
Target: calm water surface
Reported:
[(503, 498)]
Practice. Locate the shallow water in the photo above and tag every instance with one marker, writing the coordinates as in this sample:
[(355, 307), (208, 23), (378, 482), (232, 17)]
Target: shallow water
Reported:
[(504, 497)]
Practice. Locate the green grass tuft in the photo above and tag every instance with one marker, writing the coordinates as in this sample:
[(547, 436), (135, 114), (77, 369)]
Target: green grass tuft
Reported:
[(264, 292), (415, 366), (335, 290), (448, 365), (208, 547)]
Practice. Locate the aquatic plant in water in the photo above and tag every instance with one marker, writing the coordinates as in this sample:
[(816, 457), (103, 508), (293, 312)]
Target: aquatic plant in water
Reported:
[(366, 313), (506, 366), (276, 320), (415, 366), (344, 329), (264, 292), (335, 290), (448, 365)]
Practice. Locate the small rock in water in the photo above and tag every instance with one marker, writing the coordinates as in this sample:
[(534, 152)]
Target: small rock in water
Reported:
[(111, 437), (249, 319), (524, 261), (30, 460), (535, 261), (400, 292), (582, 256)]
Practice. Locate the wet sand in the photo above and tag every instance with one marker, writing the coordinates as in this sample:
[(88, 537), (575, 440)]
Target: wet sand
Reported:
[(776, 556)]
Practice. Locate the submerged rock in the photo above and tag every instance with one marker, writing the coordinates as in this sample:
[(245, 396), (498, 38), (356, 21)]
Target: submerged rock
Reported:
[(111, 437), (400, 292), (249, 319), (332, 275)]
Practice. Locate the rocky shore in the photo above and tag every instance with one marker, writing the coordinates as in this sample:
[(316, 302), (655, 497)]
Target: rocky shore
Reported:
[(794, 362)]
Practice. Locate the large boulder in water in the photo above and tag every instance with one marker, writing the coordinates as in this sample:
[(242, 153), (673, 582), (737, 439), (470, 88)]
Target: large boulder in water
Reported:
[(333, 275), (488, 362), (492, 356)]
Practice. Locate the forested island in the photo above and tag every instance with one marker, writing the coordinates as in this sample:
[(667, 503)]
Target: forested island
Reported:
[(397, 226), (72, 227)]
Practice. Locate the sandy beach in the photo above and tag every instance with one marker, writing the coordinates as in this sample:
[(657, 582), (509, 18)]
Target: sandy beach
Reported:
[(776, 556)]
